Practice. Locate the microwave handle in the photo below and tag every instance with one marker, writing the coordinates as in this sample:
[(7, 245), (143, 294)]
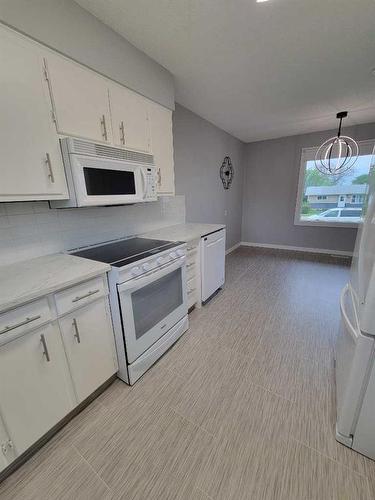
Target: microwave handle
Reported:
[(144, 183)]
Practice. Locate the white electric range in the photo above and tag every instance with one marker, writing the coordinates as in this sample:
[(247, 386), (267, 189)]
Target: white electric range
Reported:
[(148, 298)]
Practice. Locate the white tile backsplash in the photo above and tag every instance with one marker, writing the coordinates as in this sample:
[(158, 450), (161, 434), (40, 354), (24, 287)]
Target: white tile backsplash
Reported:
[(32, 229)]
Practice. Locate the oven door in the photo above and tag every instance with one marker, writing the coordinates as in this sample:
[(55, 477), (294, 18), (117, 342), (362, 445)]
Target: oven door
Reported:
[(151, 305), (107, 182)]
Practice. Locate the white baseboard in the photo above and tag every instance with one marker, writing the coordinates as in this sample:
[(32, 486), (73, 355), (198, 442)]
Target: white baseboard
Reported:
[(298, 249), (231, 249)]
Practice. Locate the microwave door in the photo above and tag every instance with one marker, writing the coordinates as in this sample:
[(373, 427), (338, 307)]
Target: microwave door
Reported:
[(104, 182)]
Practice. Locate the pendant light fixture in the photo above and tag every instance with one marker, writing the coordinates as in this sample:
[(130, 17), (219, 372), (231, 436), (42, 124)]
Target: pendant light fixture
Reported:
[(338, 154)]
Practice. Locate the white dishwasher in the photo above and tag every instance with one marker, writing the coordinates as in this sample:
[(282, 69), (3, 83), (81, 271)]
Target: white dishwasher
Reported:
[(212, 263)]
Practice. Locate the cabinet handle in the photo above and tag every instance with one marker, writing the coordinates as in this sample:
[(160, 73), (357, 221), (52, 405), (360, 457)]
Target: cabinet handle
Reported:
[(191, 291), (76, 335), (22, 323), (104, 128), (88, 294), (122, 133), (45, 348), (189, 249), (190, 265), (50, 170), (159, 176)]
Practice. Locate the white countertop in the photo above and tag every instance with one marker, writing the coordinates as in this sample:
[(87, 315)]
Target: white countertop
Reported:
[(31, 279), (183, 232)]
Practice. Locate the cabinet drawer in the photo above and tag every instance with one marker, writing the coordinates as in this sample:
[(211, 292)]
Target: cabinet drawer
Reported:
[(191, 270), (80, 295), (192, 248), (18, 321), (191, 286), (190, 265)]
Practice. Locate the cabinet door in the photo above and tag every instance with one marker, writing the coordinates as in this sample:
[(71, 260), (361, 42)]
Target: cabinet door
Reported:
[(162, 146), (89, 345), (7, 452), (80, 99), (35, 387), (31, 164), (129, 119)]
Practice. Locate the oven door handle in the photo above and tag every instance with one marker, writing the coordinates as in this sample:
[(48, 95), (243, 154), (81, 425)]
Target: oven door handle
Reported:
[(151, 276)]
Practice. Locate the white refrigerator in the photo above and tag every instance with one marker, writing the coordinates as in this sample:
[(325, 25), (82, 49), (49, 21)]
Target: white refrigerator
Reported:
[(355, 350)]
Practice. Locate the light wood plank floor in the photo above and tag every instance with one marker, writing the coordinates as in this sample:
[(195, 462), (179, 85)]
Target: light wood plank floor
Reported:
[(242, 407)]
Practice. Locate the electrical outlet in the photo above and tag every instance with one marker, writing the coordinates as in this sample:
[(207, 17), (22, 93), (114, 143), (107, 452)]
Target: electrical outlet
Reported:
[(225, 212)]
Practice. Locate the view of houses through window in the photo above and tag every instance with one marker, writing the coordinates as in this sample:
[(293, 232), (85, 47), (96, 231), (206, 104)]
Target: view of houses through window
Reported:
[(326, 199)]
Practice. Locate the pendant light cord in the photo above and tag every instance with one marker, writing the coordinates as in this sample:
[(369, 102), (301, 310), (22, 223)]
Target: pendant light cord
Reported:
[(339, 131)]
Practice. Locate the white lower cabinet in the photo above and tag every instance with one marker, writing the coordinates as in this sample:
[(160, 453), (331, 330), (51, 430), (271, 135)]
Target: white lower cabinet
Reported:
[(7, 452), (88, 340), (35, 390), (47, 369)]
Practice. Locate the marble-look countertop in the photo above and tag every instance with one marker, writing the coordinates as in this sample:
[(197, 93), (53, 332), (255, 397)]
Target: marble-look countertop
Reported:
[(34, 278), (183, 232)]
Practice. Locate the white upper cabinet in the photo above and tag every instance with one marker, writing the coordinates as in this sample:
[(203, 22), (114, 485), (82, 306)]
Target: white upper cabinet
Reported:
[(130, 123), (35, 386), (31, 165), (80, 99), (162, 146)]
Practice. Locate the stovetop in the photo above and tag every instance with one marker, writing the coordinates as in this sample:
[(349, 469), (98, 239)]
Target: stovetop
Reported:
[(123, 252)]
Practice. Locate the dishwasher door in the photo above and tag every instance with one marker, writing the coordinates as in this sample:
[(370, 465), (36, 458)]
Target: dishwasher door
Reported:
[(212, 263)]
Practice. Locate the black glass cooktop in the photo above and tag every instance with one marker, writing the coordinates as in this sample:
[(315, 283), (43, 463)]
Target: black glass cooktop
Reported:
[(121, 253)]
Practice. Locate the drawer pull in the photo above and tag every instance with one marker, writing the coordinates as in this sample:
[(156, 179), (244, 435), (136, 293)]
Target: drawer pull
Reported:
[(188, 266), (45, 348), (191, 291), (22, 323), (91, 292), (76, 335)]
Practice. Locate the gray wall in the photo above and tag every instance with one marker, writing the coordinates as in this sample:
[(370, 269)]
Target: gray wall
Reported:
[(270, 192), (199, 149), (63, 25)]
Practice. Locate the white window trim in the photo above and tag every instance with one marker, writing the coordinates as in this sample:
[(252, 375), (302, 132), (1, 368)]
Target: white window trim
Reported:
[(307, 154)]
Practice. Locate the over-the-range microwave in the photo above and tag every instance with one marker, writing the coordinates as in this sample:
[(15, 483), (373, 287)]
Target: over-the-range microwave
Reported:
[(98, 174)]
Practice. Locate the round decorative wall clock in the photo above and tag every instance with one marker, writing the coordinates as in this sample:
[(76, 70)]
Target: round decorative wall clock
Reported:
[(226, 172)]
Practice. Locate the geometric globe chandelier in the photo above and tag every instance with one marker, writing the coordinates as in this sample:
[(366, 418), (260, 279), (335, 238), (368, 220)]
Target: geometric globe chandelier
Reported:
[(338, 154)]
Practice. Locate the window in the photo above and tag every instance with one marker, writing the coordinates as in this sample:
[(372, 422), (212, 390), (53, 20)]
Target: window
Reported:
[(325, 200)]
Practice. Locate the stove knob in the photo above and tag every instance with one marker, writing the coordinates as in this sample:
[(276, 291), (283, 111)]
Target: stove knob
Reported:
[(173, 255), (146, 266), (136, 271), (180, 252)]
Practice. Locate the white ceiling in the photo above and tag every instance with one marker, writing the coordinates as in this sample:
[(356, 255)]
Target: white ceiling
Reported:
[(258, 70)]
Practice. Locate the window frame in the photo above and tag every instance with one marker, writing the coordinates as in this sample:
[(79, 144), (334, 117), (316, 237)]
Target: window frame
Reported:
[(307, 154)]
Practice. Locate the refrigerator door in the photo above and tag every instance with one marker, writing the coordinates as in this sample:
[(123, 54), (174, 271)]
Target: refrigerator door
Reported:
[(353, 357), (364, 435), (362, 278)]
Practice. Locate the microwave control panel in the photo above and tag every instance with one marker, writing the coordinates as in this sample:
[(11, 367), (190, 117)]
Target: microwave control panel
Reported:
[(150, 193)]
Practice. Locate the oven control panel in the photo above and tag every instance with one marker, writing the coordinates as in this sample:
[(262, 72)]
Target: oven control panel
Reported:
[(150, 264)]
